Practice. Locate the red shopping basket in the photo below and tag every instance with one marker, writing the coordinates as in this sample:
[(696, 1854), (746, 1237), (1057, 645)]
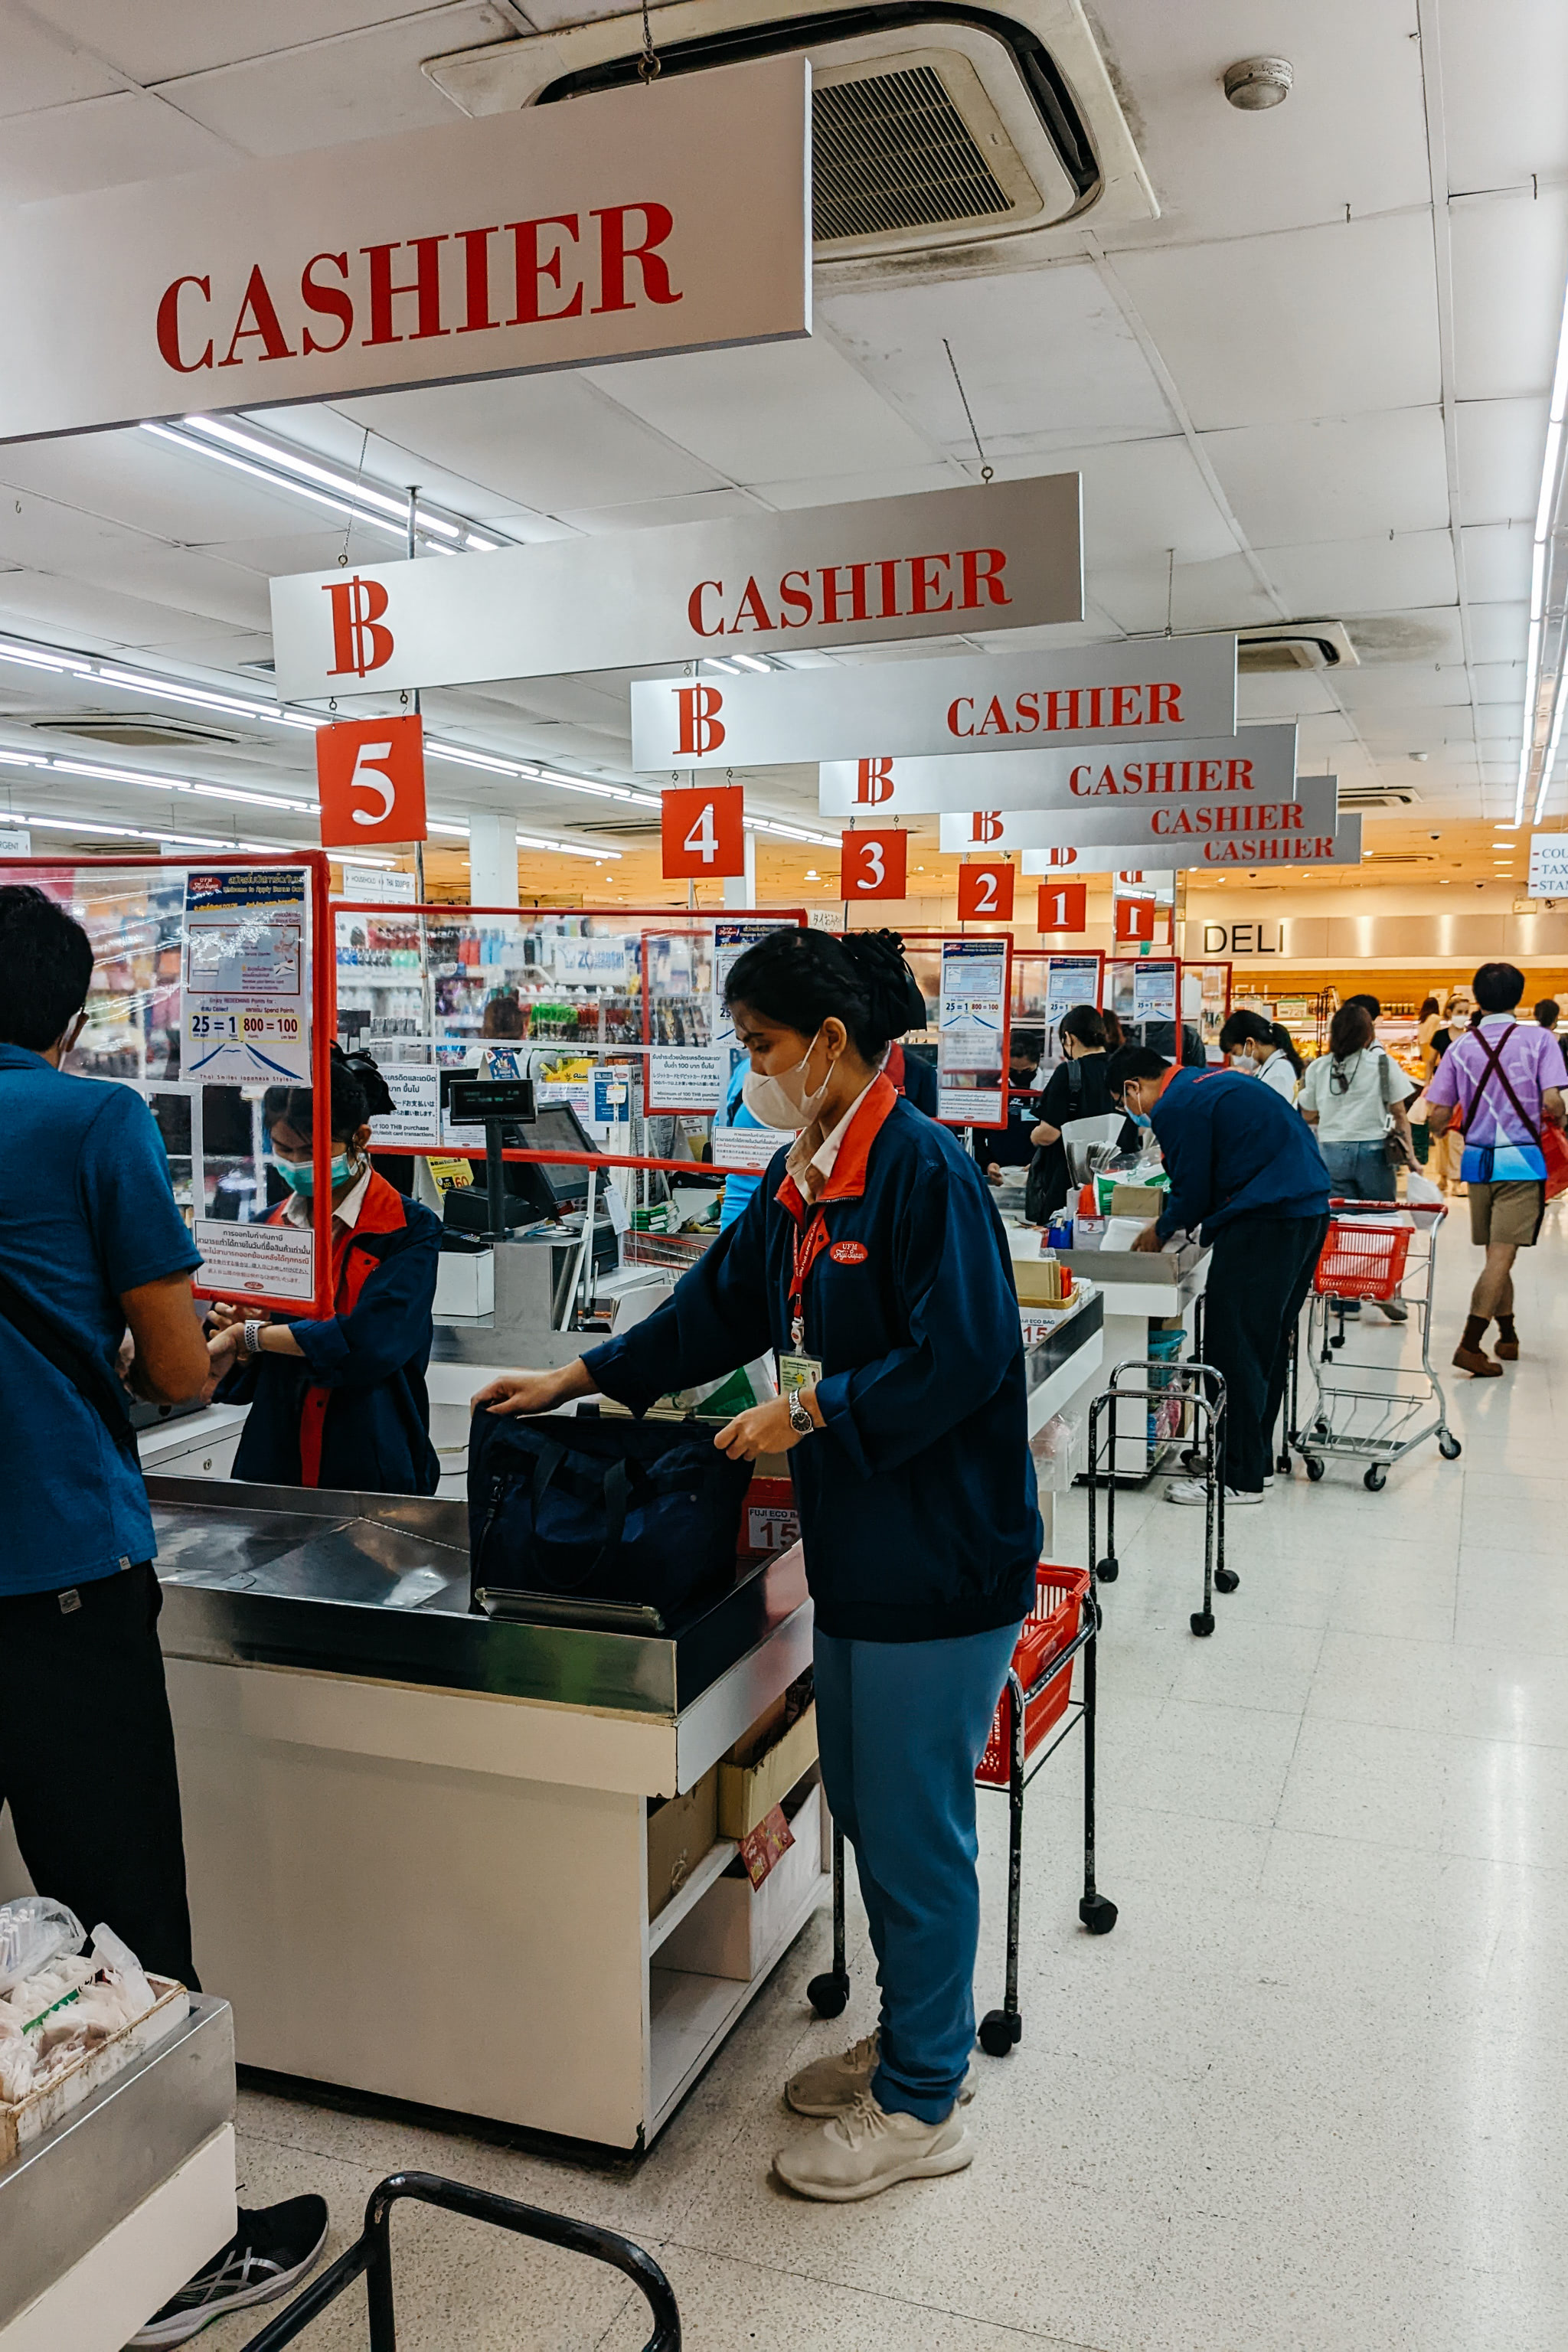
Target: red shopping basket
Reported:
[(1362, 1261), (1050, 1625)]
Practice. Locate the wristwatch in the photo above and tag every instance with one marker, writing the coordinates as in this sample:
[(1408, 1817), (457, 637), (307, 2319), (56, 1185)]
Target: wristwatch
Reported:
[(800, 1421), (253, 1338)]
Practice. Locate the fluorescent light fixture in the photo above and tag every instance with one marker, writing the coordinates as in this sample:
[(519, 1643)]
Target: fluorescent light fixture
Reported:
[(727, 668), (35, 658), (791, 832), (143, 832), (1545, 508), (752, 661)]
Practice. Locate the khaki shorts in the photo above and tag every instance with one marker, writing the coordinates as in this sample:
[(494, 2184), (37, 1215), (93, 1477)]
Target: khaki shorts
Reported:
[(1506, 1213)]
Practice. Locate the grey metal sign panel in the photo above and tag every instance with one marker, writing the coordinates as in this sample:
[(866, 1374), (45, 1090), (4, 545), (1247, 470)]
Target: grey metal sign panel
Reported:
[(1006, 557), (556, 236), (1118, 698), (1287, 844), (1258, 764), (1148, 826)]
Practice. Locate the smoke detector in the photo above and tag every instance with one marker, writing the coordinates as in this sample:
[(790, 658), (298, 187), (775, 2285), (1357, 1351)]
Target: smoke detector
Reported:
[(934, 124), (1254, 83)]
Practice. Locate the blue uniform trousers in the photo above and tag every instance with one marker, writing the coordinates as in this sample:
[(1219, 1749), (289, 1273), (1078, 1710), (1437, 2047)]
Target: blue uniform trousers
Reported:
[(902, 1726)]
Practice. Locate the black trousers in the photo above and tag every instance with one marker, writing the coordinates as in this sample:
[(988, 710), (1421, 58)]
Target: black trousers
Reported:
[(1259, 1276), (86, 1762)]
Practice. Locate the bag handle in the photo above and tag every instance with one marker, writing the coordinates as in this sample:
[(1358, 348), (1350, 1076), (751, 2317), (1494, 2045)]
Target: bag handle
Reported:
[(615, 1487)]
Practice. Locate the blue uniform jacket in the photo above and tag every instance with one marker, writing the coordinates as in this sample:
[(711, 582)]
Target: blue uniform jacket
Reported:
[(1233, 1149), (917, 1498), (365, 1366)]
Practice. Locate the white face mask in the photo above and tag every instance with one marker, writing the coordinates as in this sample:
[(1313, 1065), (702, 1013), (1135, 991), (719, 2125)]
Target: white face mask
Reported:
[(783, 1100)]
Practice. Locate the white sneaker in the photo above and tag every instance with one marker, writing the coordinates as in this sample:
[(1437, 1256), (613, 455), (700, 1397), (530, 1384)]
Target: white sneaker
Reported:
[(830, 2086), (866, 2150), (1196, 1490)]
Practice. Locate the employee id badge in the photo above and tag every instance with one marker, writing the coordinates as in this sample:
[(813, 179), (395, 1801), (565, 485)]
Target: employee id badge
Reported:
[(797, 1372)]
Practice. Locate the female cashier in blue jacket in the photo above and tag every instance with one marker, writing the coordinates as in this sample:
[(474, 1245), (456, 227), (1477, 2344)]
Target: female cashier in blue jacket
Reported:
[(872, 1262), (340, 1403)]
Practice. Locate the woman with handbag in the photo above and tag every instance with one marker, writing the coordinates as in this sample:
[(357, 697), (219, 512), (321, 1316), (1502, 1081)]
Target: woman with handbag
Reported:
[(872, 1262), (1076, 1088)]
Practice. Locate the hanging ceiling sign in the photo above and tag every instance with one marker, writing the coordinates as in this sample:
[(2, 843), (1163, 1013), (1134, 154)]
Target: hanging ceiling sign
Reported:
[(1293, 846), (1006, 557), (1258, 764), (1147, 826), (547, 238), (1116, 698)]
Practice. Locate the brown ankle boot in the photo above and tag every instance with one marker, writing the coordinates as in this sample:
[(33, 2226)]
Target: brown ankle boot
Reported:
[(1476, 1361), (1507, 1341)]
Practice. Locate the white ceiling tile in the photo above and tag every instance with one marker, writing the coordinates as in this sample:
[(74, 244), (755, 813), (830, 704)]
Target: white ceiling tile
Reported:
[(1336, 579), (1222, 594), (1497, 562), (1141, 499), (303, 551), (153, 40), (546, 441), (880, 482), (1498, 632), (766, 413), (1352, 132), (1334, 478), (387, 459), (1510, 259), (1501, 444), (1496, 681), (102, 143), (1315, 322), (38, 69), (359, 87), (1386, 689), (653, 514), (1041, 352), (40, 606), (180, 577), (1505, 69), (149, 485), (1433, 636), (1285, 694)]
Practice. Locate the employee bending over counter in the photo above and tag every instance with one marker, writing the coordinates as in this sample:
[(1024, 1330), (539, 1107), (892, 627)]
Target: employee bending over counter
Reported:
[(340, 1402), (872, 1260)]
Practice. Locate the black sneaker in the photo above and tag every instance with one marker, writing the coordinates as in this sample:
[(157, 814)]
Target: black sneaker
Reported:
[(270, 2252)]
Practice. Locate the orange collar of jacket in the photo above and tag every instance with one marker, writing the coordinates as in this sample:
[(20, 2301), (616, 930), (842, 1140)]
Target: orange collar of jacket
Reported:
[(848, 1181)]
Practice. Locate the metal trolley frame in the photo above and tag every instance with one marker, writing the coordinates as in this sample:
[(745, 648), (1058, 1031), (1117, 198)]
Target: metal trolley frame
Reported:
[(1206, 1397), (370, 2258), (1002, 2029), (1380, 1413)]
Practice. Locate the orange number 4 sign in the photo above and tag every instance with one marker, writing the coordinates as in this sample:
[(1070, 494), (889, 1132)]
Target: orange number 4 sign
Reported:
[(1064, 907), (986, 893), (371, 773), (873, 865), (702, 831)]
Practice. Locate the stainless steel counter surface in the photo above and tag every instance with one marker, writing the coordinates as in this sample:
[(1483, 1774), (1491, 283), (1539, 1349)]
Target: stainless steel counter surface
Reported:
[(377, 1586)]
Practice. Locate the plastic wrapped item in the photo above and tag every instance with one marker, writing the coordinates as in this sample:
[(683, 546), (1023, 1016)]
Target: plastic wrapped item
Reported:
[(1059, 1453), (34, 1930)]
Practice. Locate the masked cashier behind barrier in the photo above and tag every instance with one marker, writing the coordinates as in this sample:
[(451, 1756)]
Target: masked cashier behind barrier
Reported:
[(872, 1261), (340, 1403)]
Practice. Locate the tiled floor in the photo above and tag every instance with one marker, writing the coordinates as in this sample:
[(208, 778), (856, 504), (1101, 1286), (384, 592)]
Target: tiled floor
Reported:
[(1308, 2097)]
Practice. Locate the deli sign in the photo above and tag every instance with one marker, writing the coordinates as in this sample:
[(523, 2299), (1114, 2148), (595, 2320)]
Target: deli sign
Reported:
[(548, 238), (1007, 557)]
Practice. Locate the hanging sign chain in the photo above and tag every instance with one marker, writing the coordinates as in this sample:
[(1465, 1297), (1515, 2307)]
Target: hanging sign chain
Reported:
[(985, 472), (647, 64)]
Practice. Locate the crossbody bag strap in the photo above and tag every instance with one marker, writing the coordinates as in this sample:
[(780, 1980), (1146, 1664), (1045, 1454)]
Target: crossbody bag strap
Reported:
[(89, 1379)]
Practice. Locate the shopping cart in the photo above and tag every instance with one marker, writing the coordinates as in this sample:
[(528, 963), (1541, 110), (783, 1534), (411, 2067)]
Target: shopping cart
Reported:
[(1038, 1695), (1359, 1410), (370, 2258), (1183, 1387)]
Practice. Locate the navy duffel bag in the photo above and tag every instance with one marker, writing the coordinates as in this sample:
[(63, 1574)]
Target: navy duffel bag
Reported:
[(603, 1509)]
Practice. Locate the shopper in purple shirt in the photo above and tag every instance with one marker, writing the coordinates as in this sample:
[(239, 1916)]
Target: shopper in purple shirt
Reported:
[(1501, 1084)]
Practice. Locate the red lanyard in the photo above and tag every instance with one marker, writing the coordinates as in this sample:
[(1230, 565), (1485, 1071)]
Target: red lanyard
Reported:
[(808, 1247)]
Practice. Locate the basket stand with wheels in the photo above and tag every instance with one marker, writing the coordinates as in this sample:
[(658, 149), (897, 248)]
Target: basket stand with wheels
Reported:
[(1036, 1703), (1201, 1388)]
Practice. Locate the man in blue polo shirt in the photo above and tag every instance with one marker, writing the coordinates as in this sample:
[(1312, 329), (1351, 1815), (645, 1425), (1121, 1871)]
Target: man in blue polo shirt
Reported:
[(91, 1244), (1247, 1176)]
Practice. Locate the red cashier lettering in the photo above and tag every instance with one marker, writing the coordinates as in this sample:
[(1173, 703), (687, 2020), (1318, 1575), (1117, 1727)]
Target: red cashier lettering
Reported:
[(849, 1253)]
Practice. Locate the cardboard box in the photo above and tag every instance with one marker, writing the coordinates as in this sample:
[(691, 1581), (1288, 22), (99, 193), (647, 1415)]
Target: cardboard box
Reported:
[(735, 1930), (679, 1834), (749, 1791), (1143, 1201), (1031, 1276), (42, 2109)]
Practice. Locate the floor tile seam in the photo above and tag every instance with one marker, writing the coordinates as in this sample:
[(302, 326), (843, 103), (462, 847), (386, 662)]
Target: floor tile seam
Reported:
[(880, 2294)]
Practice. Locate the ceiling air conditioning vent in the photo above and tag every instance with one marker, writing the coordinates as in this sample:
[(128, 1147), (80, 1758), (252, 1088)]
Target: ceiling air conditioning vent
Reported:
[(934, 124), (139, 731), (1376, 797), (1295, 645)]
